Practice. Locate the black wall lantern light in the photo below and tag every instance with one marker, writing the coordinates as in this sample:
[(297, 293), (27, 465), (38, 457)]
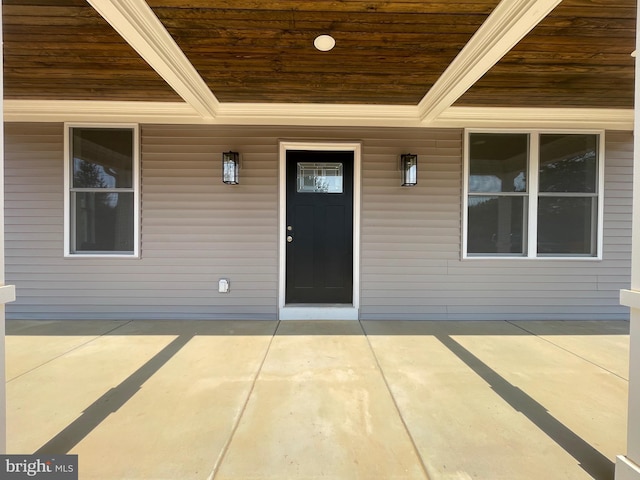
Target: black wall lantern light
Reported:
[(409, 168), (230, 168)]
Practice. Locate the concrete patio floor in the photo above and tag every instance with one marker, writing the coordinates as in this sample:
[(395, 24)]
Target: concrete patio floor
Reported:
[(307, 400)]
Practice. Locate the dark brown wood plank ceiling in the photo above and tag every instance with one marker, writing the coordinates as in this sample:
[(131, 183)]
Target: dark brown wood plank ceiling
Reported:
[(262, 51), (387, 52), (64, 50), (579, 56)]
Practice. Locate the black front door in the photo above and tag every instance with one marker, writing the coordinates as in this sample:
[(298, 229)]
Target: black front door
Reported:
[(319, 263)]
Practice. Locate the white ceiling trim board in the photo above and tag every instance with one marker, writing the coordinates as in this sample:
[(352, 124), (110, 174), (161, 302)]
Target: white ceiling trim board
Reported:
[(228, 114), (502, 30), (511, 117), (139, 27), (314, 115), (99, 111), (318, 114)]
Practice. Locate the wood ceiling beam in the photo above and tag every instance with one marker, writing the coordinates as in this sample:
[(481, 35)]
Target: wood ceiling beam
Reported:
[(502, 30), (139, 27)]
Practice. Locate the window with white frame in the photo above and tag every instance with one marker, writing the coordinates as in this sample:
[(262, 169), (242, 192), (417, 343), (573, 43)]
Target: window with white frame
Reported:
[(533, 194), (102, 190)]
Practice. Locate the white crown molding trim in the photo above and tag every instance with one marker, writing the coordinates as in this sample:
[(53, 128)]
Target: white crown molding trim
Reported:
[(229, 113), (510, 21), (139, 27), (99, 111), (315, 115), (509, 117), (319, 114)]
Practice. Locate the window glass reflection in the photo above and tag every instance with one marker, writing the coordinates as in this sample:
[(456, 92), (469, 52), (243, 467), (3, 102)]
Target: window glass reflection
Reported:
[(315, 177), (568, 163), (498, 162), (495, 225), (102, 158), (103, 221), (566, 225)]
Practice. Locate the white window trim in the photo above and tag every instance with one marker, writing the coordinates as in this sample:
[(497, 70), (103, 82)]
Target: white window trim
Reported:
[(136, 191), (532, 193)]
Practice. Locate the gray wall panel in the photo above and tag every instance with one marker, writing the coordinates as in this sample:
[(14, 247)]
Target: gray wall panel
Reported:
[(423, 224), (195, 230)]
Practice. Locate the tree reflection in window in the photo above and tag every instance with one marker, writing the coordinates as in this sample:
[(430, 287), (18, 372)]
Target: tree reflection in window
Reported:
[(88, 175)]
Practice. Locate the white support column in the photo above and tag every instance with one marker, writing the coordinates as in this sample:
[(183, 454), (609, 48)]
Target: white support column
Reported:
[(628, 466)]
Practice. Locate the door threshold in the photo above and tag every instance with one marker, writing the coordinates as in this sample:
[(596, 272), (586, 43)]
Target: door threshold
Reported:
[(318, 312)]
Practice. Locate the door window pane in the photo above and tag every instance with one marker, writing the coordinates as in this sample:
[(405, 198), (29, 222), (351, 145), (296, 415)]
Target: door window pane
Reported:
[(568, 163), (102, 158), (314, 177), (566, 225), (496, 225), (103, 221), (498, 162)]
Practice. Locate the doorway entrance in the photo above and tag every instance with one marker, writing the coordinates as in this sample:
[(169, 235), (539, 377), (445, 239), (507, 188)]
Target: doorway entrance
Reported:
[(319, 214), (319, 248)]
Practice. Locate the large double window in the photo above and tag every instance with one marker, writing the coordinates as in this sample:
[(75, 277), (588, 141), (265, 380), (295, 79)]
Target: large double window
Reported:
[(533, 194), (102, 191)]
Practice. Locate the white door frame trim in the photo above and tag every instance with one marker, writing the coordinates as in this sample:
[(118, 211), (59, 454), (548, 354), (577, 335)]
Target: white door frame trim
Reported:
[(297, 312)]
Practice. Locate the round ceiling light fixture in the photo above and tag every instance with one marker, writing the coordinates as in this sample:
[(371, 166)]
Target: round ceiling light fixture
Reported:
[(324, 43)]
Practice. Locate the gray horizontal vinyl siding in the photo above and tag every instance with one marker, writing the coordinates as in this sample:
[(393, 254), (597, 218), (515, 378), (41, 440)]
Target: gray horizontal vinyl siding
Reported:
[(412, 267), (195, 230)]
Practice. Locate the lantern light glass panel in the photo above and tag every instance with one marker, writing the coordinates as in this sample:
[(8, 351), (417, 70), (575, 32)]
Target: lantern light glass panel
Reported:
[(230, 168), (409, 167)]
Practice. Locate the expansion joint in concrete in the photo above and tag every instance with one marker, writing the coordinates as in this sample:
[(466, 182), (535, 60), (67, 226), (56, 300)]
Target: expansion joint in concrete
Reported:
[(243, 408)]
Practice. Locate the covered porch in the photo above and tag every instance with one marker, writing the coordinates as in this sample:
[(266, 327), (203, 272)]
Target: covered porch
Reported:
[(299, 400), (271, 399)]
